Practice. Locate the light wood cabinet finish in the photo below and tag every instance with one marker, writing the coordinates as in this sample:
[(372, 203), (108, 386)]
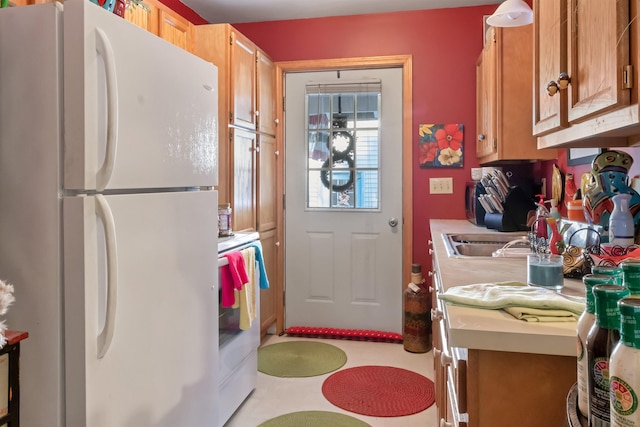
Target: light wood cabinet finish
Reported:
[(269, 297), (588, 40), (243, 184), (267, 191), (550, 59), (175, 29), (247, 133), (267, 120), (145, 19), (596, 45), (504, 103), (243, 81)]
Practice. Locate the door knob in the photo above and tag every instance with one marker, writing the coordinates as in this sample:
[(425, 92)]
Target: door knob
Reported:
[(393, 222)]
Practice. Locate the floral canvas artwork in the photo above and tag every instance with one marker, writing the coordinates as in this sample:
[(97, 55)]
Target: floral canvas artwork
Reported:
[(441, 145)]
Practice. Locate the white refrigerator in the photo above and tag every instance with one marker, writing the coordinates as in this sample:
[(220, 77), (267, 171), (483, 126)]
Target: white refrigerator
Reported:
[(108, 219)]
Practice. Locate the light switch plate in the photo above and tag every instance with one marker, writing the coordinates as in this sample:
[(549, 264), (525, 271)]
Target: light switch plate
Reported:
[(441, 185)]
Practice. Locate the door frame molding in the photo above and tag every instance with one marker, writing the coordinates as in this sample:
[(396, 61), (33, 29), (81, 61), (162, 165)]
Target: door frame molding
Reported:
[(395, 61)]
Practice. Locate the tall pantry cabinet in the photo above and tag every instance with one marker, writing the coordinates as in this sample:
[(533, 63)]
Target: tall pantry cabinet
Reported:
[(248, 152)]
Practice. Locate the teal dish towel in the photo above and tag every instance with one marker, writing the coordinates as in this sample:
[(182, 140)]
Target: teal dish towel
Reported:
[(264, 280), (503, 295)]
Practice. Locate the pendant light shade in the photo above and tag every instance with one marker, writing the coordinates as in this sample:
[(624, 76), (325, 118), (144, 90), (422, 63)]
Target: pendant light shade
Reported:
[(511, 13)]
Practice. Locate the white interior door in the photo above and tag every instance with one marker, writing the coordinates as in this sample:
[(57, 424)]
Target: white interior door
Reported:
[(343, 216)]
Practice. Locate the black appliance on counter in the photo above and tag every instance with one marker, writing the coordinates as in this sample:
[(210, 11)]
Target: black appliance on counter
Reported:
[(475, 211), (517, 204)]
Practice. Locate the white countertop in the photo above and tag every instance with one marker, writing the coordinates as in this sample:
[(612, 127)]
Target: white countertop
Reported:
[(495, 329)]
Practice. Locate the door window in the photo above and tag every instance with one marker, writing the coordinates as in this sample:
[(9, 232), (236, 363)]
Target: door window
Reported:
[(343, 145)]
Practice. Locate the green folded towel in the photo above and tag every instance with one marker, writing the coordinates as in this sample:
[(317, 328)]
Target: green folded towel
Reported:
[(503, 295), (536, 315)]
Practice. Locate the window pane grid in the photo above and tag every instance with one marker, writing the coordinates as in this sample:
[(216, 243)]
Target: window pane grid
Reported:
[(343, 145)]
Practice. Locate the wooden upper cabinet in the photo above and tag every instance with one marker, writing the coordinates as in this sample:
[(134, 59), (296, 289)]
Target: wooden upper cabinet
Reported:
[(267, 120), (143, 18), (243, 184), (174, 28), (504, 98), (597, 59), (243, 81), (486, 142), (550, 59), (267, 194), (589, 41)]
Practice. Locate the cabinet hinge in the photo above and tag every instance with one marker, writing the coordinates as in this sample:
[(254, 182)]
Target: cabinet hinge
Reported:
[(230, 135), (627, 77), (284, 108), (231, 39), (230, 117), (495, 144)]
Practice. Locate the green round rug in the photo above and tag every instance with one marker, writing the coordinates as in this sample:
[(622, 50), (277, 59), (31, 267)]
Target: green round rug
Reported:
[(300, 359), (314, 419)]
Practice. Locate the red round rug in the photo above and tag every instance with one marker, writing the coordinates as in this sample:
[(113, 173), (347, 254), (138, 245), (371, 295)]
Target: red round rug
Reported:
[(379, 391)]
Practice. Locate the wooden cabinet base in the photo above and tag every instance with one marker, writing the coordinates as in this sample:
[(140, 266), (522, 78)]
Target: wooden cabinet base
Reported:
[(517, 389)]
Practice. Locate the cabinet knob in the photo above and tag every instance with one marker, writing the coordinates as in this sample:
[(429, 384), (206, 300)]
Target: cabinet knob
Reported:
[(436, 353), (444, 423), (552, 88), (563, 80), (430, 251), (445, 359), (277, 121), (277, 153), (481, 137), (257, 113), (430, 273), (430, 242), (436, 314), (277, 244)]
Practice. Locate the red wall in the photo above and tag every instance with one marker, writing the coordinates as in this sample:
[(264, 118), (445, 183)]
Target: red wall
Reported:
[(444, 44)]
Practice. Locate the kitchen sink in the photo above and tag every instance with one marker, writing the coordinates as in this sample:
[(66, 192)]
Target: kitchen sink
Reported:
[(471, 245)]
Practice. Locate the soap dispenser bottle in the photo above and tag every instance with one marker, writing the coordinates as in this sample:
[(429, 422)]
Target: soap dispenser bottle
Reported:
[(540, 224), (553, 212), (621, 226)]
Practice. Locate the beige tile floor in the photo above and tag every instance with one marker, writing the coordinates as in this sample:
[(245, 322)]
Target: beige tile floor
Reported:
[(275, 396)]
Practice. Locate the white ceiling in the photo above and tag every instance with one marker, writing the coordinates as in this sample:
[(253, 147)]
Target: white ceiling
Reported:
[(236, 11)]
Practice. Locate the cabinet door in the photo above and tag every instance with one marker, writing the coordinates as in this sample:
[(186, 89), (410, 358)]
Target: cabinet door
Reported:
[(266, 94), (143, 18), (268, 297), (597, 58), (174, 29), (550, 59), (243, 81), (243, 183), (267, 203), (486, 100)]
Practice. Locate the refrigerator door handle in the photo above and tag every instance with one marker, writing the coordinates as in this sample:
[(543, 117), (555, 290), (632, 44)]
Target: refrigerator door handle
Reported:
[(105, 214), (104, 48)]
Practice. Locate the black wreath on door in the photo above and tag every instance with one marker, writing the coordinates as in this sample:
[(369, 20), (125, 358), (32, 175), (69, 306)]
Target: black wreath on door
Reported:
[(338, 155), (324, 174)]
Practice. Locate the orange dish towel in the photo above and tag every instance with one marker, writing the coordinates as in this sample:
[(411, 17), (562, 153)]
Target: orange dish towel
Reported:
[(232, 278)]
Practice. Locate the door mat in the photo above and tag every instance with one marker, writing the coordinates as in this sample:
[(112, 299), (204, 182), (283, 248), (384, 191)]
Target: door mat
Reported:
[(350, 334), (379, 391), (300, 359), (314, 419)]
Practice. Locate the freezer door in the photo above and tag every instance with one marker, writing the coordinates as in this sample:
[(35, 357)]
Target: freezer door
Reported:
[(139, 112), (141, 318)]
